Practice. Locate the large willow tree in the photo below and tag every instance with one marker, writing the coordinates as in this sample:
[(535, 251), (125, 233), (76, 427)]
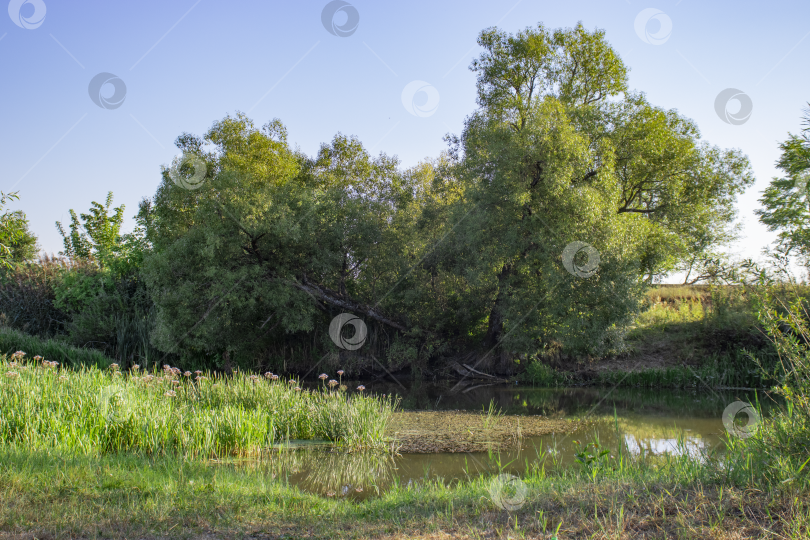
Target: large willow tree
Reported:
[(461, 253), (561, 151)]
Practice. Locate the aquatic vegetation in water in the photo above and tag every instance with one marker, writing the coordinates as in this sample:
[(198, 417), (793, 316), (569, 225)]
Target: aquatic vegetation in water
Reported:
[(424, 432)]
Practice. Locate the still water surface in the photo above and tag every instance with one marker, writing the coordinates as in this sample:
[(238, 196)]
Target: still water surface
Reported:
[(652, 422)]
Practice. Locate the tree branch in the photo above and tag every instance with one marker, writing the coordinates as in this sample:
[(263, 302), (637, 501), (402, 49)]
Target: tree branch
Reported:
[(333, 298)]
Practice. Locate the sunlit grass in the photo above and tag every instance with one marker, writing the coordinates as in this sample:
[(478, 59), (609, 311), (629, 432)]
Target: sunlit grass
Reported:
[(683, 292), (93, 411), (663, 313)]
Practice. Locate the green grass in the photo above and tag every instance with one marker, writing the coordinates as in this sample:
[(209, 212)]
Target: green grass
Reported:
[(540, 374), (669, 293), (67, 355), (781, 453), (661, 314), (60, 496), (777, 455), (93, 411), (729, 371), (94, 453)]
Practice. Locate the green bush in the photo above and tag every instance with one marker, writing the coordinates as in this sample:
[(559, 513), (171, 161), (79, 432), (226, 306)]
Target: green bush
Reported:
[(28, 297), (112, 314), (539, 374), (732, 308), (779, 451)]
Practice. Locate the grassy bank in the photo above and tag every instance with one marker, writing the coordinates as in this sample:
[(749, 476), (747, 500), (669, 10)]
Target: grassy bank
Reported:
[(67, 355), (55, 496), (684, 337), (730, 371), (95, 411)]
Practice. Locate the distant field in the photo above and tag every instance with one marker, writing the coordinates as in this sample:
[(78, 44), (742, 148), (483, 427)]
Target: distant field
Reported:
[(668, 293)]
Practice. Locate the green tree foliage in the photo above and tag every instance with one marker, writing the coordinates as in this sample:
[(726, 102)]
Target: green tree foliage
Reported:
[(93, 239), (97, 237), (17, 243), (457, 252), (271, 238), (104, 296), (786, 201), (561, 151), (706, 259), (25, 247)]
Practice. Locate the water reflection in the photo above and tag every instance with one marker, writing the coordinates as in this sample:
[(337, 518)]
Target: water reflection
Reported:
[(327, 472), (673, 446), (634, 421), (336, 473)]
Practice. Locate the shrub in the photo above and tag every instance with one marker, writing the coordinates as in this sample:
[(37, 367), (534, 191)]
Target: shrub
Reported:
[(778, 452), (540, 374), (28, 296)]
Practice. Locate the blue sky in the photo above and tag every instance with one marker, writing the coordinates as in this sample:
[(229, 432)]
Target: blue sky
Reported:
[(187, 63)]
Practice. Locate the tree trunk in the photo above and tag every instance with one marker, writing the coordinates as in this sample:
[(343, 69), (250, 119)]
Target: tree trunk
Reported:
[(495, 327), (227, 368)]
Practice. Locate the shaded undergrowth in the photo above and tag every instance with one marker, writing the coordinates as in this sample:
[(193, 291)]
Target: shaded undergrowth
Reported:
[(54, 349)]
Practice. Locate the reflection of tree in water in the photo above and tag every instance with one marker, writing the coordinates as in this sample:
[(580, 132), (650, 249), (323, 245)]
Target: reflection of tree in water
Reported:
[(417, 396), (472, 395), (573, 401)]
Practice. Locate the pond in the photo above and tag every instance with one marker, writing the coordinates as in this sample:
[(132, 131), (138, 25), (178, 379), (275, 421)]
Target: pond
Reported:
[(649, 421)]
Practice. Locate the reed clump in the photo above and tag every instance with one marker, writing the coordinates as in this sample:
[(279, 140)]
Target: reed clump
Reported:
[(95, 411)]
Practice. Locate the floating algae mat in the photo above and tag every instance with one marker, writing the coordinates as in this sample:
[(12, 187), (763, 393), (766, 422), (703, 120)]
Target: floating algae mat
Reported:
[(428, 432)]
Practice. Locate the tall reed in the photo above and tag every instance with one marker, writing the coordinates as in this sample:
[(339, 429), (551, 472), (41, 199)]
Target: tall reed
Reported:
[(94, 411)]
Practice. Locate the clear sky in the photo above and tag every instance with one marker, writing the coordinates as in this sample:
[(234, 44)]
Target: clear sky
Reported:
[(187, 63)]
